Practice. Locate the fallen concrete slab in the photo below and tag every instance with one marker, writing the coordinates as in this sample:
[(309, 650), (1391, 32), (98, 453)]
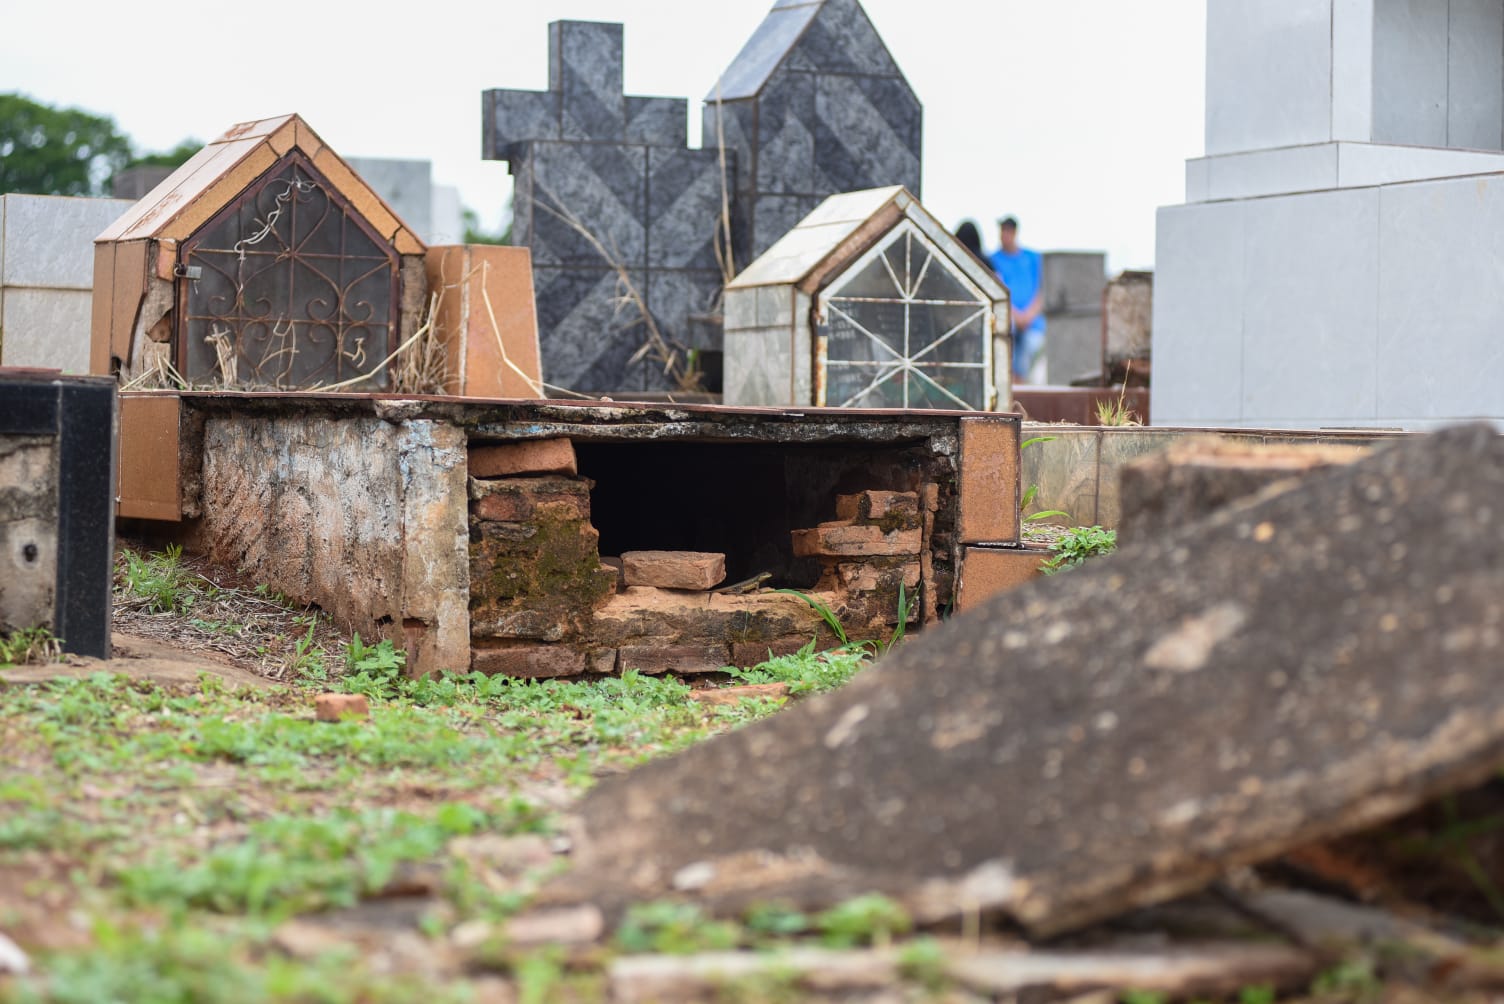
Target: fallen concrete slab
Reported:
[(1305, 665)]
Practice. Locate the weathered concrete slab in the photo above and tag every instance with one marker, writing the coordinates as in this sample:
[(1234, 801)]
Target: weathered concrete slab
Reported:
[(1305, 665)]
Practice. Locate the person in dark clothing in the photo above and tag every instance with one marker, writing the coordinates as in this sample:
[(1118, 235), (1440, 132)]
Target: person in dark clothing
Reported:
[(971, 238)]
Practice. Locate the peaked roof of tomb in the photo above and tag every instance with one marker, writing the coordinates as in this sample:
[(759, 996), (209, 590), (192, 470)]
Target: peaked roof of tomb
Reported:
[(843, 227), (218, 173), (833, 36)]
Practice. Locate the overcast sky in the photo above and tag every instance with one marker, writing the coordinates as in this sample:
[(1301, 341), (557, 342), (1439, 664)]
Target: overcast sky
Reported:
[(1076, 115)]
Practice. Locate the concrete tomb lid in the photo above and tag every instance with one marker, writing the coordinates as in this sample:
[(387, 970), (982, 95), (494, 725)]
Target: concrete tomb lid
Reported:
[(212, 178), (1308, 663)]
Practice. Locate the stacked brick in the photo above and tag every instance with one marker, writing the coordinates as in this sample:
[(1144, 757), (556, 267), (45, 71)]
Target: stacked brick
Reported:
[(536, 576), (543, 603), (877, 545)]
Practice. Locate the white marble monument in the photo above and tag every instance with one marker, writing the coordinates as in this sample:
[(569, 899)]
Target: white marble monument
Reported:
[(1338, 259)]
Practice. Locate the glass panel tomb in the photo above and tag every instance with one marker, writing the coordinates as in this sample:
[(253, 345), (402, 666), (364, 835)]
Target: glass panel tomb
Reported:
[(903, 329)]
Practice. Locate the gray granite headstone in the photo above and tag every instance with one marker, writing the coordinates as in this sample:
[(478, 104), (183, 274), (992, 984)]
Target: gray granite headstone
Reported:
[(619, 165), (814, 105)]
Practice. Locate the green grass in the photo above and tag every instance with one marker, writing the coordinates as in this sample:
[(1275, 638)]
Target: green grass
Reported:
[(291, 864), (186, 963), (217, 813), (186, 823), (1078, 545), (29, 645)]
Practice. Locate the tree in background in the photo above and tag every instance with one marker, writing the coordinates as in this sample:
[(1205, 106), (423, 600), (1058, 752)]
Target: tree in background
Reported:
[(57, 151), (175, 157), (475, 235)]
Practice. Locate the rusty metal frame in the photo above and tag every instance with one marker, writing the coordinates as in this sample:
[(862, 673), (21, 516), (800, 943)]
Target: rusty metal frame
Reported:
[(342, 210)]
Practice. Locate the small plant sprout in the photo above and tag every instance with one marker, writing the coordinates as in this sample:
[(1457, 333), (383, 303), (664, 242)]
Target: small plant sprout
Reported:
[(29, 645), (833, 622), (1033, 490), (1117, 412), (1078, 544)]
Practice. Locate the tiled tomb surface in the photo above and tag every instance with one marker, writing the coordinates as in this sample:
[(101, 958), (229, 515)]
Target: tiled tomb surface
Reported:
[(1353, 155), (46, 260), (814, 105), (57, 532), (588, 158), (506, 537)]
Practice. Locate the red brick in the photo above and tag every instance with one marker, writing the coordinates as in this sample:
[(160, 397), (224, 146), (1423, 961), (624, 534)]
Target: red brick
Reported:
[(751, 653), (841, 540), (528, 661), (989, 492), (987, 571), (674, 569), (868, 577), (539, 456), (516, 500), (682, 659), (334, 707), (874, 505)]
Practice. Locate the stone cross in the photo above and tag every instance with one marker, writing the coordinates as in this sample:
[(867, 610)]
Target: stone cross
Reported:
[(607, 194)]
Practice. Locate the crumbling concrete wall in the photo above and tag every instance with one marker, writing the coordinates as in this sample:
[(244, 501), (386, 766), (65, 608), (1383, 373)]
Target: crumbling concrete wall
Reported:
[(28, 531), (365, 517)]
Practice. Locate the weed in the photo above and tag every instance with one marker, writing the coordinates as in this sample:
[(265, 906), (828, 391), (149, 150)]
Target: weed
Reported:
[(1143, 997), (1354, 979), (1117, 412), (1078, 544), (186, 962), (872, 919), (903, 623), (807, 671), (289, 864), (29, 645), (775, 920), (826, 614), (1033, 490), (158, 583), (923, 961), (673, 928), (833, 622), (374, 670)]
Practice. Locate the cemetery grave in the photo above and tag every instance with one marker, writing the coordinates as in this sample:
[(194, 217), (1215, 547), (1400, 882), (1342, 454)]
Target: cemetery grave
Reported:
[(846, 858), (437, 672)]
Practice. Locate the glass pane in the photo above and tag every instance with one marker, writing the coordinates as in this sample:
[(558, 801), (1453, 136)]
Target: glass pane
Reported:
[(872, 281), (940, 283), (864, 386), (929, 386), (858, 331)]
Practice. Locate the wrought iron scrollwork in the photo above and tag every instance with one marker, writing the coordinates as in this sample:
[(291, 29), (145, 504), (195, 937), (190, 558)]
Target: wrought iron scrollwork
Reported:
[(295, 290)]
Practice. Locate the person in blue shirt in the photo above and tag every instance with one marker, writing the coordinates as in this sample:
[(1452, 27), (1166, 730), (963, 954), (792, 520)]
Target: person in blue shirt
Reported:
[(1020, 270)]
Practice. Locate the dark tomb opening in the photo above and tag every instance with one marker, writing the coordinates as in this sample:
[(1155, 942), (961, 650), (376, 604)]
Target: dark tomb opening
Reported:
[(742, 500)]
